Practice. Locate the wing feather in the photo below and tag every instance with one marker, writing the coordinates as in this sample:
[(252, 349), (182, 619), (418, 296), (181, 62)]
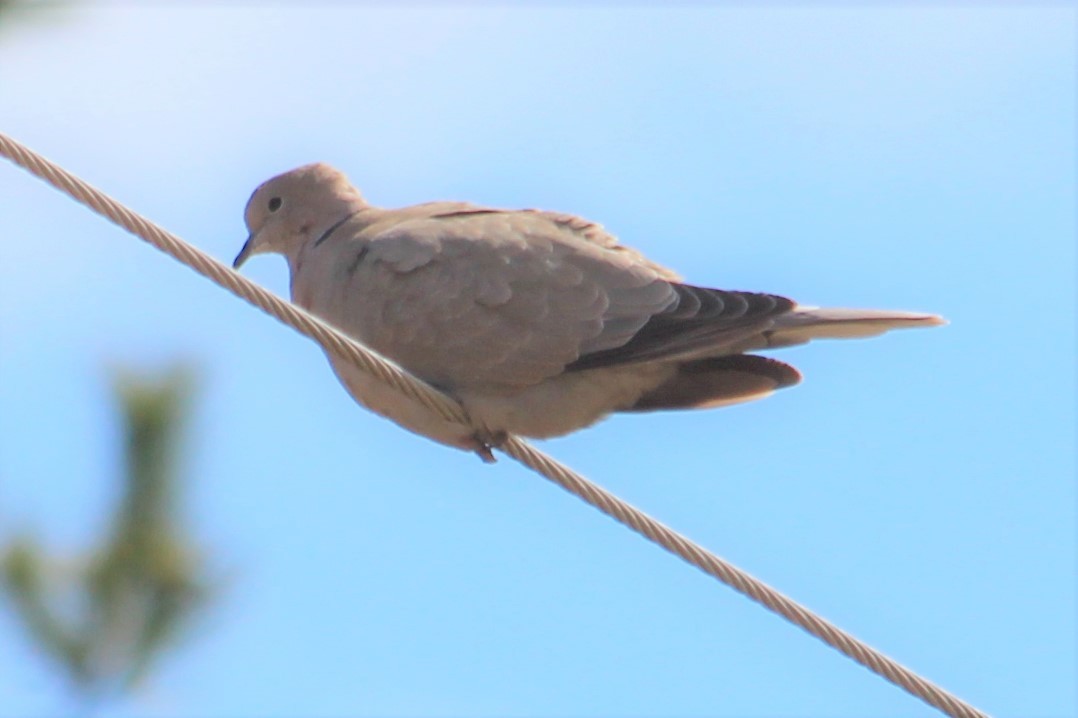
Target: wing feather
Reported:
[(466, 296), (469, 296), (702, 322)]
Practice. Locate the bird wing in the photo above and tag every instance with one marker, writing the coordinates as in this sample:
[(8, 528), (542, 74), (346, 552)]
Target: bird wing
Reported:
[(466, 296)]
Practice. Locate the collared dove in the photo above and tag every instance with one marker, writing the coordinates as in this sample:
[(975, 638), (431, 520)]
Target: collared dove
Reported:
[(539, 323)]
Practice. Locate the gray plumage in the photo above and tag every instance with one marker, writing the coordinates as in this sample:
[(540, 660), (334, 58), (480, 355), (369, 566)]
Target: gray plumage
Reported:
[(539, 323)]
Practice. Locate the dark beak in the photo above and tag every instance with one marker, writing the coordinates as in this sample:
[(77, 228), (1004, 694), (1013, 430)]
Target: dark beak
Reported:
[(244, 253)]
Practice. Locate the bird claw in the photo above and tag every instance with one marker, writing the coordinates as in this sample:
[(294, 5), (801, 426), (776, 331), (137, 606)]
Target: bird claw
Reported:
[(485, 441), (485, 454)]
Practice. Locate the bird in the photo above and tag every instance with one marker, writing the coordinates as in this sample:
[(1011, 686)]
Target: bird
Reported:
[(539, 323)]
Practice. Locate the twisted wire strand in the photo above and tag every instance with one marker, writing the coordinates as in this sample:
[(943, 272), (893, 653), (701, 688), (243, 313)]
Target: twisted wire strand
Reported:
[(450, 410), (286, 312)]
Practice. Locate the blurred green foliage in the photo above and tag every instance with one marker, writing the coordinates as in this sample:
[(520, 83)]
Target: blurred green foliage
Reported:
[(107, 620), (13, 12)]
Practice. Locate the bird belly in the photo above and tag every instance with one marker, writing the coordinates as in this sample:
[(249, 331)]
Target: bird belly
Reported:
[(562, 403), (386, 401)]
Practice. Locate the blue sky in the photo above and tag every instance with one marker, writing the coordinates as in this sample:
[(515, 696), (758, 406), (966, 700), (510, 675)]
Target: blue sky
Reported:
[(916, 489)]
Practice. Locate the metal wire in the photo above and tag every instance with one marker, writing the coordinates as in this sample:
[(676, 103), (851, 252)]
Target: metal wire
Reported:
[(449, 409)]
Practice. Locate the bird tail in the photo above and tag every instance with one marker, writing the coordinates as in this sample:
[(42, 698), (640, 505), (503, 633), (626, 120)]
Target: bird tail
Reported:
[(807, 323), (733, 378), (719, 381)]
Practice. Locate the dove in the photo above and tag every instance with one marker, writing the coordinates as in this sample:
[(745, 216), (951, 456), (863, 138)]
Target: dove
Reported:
[(538, 323)]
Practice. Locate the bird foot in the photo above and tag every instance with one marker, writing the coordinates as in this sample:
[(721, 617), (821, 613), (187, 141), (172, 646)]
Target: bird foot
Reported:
[(485, 441)]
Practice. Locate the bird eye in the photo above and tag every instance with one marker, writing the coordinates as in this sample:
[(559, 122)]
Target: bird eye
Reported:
[(274, 204)]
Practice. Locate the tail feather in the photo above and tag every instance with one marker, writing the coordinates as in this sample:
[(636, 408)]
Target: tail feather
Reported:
[(719, 381), (806, 323), (734, 377)]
